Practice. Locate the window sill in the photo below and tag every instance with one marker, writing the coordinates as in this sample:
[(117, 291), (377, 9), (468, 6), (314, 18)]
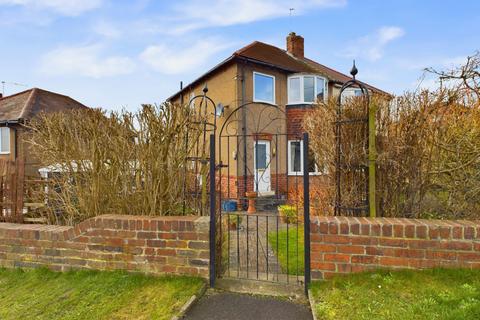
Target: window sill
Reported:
[(5, 152), (267, 102), (300, 174), (297, 103)]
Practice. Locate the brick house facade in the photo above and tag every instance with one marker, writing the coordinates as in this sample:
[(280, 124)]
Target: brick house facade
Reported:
[(256, 75)]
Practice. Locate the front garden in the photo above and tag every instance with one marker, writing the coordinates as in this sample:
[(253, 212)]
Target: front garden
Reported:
[(43, 294), (429, 294)]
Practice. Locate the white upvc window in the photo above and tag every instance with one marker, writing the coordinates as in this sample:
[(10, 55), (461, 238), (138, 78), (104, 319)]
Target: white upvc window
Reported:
[(295, 159), (4, 140), (263, 88), (306, 89)]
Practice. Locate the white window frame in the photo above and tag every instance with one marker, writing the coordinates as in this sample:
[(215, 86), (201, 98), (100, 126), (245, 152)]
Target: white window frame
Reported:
[(7, 130), (290, 162), (302, 87), (265, 75), (351, 93)]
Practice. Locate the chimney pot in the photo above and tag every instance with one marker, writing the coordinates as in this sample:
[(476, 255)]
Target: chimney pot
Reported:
[(295, 45)]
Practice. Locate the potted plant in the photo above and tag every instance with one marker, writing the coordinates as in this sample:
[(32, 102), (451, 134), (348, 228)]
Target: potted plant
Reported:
[(288, 213)]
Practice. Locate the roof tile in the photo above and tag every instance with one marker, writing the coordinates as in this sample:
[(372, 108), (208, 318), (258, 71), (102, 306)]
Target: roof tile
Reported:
[(26, 104)]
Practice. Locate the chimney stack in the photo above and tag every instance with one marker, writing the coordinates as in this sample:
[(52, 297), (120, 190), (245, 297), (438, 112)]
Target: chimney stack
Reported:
[(295, 45)]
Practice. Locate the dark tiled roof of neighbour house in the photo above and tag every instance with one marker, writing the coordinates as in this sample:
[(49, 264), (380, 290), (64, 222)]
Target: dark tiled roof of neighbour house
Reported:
[(26, 104), (264, 53)]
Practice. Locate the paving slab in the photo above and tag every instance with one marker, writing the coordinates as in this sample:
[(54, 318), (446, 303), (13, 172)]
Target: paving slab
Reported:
[(233, 306)]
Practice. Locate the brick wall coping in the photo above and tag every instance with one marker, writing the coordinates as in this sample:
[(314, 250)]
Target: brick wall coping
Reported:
[(397, 227), (107, 221)]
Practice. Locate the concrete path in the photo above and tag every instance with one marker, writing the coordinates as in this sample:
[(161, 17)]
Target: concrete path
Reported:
[(251, 255), (233, 306)]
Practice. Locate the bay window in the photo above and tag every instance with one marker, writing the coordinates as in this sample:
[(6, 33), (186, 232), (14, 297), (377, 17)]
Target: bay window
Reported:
[(306, 89)]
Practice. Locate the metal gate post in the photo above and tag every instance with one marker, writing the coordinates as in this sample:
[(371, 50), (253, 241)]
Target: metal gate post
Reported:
[(306, 210), (212, 211)]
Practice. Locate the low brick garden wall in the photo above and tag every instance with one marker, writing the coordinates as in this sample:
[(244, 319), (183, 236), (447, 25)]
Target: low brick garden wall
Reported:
[(344, 245), (179, 245), (176, 245)]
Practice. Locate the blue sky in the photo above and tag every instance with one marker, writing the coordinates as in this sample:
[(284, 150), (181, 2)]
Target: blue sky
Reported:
[(118, 54)]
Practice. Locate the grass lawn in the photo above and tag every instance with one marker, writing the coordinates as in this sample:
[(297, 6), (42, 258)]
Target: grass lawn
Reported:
[(43, 294), (295, 260), (430, 294)]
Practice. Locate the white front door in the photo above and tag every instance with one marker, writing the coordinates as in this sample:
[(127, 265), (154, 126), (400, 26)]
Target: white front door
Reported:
[(261, 161)]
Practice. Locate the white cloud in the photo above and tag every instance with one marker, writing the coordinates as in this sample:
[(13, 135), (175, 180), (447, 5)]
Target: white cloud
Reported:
[(372, 46), (64, 7), (174, 60), (85, 61), (195, 14), (106, 30)]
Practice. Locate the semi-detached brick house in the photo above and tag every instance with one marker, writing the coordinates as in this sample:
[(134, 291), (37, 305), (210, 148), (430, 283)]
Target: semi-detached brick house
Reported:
[(260, 72)]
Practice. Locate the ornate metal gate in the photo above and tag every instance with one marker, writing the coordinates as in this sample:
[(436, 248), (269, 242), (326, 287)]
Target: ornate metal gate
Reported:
[(259, 197)]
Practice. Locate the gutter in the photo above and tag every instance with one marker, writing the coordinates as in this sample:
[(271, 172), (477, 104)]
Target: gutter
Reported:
[(10, 122)]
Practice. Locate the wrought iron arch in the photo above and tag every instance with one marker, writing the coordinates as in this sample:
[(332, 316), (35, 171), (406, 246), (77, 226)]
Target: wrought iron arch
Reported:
[(198, 158), (244, 107), (339, 165), (253, 120)]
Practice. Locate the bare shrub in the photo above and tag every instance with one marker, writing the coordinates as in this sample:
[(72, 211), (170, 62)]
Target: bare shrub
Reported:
[(120, 162), (320, 123), (428, 146)]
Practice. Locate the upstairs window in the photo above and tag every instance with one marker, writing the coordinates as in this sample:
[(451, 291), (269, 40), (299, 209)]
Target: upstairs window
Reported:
[(4, 140), (263, 88), (306, 89)]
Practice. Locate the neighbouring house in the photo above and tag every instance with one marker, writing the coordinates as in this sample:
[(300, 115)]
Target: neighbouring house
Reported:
[(16, 110), (259, 75)]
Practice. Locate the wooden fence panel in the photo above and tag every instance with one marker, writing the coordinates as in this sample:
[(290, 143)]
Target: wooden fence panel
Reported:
[(12, 177)]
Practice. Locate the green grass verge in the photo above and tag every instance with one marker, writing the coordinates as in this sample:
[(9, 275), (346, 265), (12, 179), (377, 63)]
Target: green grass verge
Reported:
[(43, 294), (429, 294), (295, 259)]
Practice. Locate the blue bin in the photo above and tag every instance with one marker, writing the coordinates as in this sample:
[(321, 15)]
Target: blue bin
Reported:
[(229, 205)]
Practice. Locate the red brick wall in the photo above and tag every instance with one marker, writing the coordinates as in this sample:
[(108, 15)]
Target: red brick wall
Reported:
[(176, 245), (344, 245), (295, 116)]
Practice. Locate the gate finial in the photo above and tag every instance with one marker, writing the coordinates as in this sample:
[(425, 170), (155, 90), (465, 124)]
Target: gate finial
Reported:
[(354, 70)]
